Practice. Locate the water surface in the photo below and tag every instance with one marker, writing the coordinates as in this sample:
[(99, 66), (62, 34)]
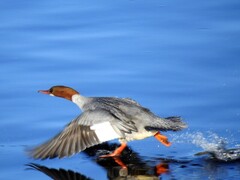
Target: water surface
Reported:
[(176, 58)]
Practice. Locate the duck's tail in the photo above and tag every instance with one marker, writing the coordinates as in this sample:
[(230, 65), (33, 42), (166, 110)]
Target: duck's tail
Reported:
[(173, 123), (176, 123)]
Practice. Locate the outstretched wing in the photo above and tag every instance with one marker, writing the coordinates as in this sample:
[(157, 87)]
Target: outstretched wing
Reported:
[(88, 129)]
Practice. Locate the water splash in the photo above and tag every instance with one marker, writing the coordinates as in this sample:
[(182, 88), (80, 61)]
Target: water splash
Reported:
[(211, 143), (208, 141)]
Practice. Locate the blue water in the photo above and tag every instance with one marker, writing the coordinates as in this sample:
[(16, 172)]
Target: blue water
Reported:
[(174, 57)]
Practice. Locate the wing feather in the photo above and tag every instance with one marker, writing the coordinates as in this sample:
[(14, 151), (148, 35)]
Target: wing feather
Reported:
[(71, 140), (78, 135)]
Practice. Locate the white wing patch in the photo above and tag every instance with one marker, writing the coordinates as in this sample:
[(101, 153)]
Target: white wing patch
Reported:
[(104, 131)]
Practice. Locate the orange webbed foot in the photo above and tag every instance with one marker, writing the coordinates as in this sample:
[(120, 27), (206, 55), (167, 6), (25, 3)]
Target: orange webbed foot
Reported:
[(115, 155), (117, 151), (163, 139)]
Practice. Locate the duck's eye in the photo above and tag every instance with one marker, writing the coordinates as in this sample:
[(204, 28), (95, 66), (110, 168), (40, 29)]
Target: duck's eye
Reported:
[(51, 90)]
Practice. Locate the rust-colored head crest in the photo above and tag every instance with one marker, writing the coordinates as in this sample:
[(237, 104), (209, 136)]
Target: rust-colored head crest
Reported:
[(60, 91)]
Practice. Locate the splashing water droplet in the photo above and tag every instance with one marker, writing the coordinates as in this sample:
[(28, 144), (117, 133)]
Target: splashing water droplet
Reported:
[(211, 143)]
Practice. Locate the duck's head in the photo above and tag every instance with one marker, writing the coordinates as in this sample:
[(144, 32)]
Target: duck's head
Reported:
[(60, 91)]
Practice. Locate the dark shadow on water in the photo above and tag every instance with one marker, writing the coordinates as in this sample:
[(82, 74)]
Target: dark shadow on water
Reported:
[(135, 165), (143, 167)]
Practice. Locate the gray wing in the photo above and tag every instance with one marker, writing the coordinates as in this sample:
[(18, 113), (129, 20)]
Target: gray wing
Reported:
[(130, 100), (85, 131), (73, 139), (121, 109)]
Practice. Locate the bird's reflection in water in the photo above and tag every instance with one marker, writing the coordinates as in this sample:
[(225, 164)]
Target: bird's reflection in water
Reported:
[(58, 174), (128, 166)]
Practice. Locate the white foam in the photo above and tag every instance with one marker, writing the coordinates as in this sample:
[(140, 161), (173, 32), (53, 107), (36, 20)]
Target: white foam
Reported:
[(209, 142)]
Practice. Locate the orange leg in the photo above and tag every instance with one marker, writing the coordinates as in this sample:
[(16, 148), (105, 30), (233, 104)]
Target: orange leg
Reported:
[(163, 139), (117, 151)]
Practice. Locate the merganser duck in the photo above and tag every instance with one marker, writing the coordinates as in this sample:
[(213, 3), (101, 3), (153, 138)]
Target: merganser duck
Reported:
[(103, 119)]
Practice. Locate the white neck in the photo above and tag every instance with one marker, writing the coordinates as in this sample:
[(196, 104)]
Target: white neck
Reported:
[(79, 100)]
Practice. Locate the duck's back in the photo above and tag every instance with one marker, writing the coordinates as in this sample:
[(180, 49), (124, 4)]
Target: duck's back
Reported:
[(130, 114), (124, 109)]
